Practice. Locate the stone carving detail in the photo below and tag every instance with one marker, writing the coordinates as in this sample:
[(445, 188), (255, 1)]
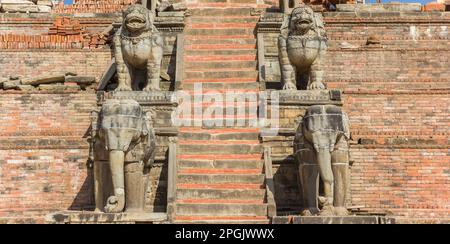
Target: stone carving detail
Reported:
[(138, 49), (123, 151), (301, 47), (321, 148)]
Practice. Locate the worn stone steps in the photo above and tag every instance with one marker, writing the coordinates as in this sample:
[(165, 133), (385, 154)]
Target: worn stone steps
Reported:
[(238, 87), (224, 19), (219, 149), (220, 164), (220, 57), (222, 26), (219, 178), (225, 31), (220, 39), (221, 74), (220, 168), (219, 186), (228, 136), (222, 220), (241, 11), (234, 82), (251, 194), (221, 209), (248, 54), (221, 65), (221, 46), (220, 122)]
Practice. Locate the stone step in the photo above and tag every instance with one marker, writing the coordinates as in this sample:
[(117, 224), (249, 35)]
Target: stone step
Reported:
[(230, 122), (219, 112), (210, 136), (224, 88), (220, 164), (219, 46), (220, 201), (219, 178), (210, 2), (221, 74), (222, 220), (220, 186), (221, 57), (235, 82), (223, 40), (224, 31), (249, 194), (195, 209), (216, 26), (228, 140), (225, 54), (213, 39), (214, 171), (221, 65), (223, 19), (219, 149), (208, 12), (255, 156)]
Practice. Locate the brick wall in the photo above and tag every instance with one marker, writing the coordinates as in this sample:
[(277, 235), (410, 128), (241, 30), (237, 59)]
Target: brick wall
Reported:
[(34, 62), (43, 154)]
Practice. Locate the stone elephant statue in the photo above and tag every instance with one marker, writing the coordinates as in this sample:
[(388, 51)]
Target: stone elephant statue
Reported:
[(321, 149), (123, 151)]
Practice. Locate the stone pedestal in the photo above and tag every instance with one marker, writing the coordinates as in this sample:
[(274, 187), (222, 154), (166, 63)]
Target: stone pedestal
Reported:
[(82, 217), (332, 220)]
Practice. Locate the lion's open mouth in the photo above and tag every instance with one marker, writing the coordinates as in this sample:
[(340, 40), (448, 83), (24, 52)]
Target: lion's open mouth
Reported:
[(135, 22), (303, 21)]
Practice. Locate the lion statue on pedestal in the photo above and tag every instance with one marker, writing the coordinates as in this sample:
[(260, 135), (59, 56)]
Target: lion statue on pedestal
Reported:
[(138, 49), (301, 46)]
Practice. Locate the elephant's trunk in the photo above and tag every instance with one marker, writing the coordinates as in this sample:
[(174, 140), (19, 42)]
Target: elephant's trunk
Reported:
[(116, 203), (326, 173)]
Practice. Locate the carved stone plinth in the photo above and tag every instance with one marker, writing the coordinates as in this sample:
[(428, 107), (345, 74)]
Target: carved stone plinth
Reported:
[(332, 220), (79, 217), (308, 97)]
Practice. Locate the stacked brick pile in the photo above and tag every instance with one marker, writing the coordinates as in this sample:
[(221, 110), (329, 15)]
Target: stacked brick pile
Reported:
[(93, 6), (435, 6), (66, 33), (25, 6)]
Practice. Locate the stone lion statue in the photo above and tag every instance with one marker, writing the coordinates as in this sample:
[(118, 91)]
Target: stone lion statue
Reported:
[(301, 46), (138, 50)]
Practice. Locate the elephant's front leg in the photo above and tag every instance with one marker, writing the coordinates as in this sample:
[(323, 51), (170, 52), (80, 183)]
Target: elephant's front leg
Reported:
[(116, 203), (309, 177), (340, 163), (98, 185), (326, 173), (135, 187)]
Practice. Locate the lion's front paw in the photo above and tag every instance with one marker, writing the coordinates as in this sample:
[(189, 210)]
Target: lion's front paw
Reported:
[(289, 86), (317, 85), (152, 88), (123, 88)]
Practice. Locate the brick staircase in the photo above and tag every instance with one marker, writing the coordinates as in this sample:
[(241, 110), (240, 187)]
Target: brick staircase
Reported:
[(220, 175)]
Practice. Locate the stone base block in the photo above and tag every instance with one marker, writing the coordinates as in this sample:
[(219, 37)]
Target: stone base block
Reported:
[(332, 220), (84, 217)]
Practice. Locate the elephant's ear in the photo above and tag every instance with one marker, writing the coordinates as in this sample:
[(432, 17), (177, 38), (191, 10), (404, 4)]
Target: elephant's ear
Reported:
[(298, 139), (150, 139), (346, 125)]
